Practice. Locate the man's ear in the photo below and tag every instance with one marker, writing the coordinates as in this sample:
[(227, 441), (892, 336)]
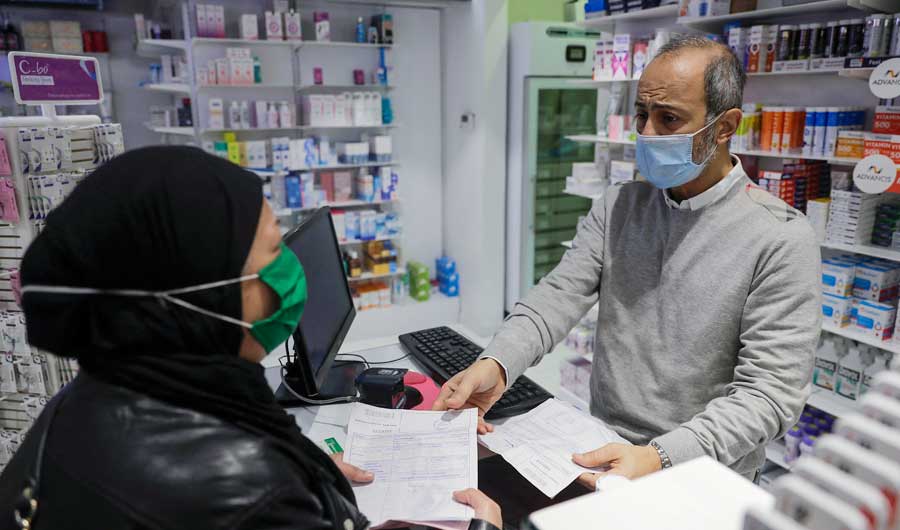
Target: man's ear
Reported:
[(728, 125)]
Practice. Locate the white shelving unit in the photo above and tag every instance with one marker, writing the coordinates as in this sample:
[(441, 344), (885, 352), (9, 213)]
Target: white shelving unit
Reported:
[(856, 73), (653, 12), (711, 24), (177, 131), (832, 403), (838, 161), (851, 332), (255, 86), (592, 196), (169, 88), (335, 204), (343, 88), (361, 241), (866, 250), (153, 48), (597, 139)]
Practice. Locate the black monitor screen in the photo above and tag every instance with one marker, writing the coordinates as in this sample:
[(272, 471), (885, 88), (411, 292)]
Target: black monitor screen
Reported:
[(329, 308)]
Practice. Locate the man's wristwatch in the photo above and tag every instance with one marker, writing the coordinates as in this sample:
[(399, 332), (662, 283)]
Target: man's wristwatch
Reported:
[(664, 460)]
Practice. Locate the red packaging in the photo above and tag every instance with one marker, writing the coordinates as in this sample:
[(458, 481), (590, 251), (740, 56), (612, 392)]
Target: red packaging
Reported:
[(87, 42), (887, 120), (100, 43), (326, 180)]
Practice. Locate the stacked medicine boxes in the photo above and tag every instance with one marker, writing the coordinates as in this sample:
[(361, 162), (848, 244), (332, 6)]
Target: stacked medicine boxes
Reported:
[(861, 291), (419, 281), (448, 278), (851, 217)]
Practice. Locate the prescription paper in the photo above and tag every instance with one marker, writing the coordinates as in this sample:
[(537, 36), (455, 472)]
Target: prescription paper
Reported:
[(539, 444), (419, 459)]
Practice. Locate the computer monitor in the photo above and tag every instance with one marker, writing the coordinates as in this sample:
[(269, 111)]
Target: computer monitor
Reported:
[(311, 371)]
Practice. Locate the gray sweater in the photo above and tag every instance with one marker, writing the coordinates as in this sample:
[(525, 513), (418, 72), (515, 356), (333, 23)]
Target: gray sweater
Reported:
[(708, 319)]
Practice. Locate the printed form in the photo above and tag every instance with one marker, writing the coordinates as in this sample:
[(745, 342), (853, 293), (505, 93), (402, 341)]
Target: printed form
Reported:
[(419, 459), (539, 444)]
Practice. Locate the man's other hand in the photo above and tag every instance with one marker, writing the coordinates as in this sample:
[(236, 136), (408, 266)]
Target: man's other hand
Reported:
[(629, 461), (480, 385), (485, 508)]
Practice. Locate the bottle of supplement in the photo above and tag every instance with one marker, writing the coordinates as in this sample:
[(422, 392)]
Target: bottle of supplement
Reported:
[(826, 364), (234, 115), (257, 70), (360, 30), (792, 442), (843, 38), (855, 36), (850, 374), (806, 446), (869, 372)]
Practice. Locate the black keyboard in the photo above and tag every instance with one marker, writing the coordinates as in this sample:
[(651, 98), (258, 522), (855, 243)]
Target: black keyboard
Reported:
[(445, 353)]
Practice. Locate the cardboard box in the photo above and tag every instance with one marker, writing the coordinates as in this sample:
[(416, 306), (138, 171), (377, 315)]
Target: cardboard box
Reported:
[(249, 27), (874, 282), (887, 119), (850, 144), (837, 278), (836, 310), (883, 144), (621, 60), (65, 29), (274, 26), (877, 320), (756, 49)]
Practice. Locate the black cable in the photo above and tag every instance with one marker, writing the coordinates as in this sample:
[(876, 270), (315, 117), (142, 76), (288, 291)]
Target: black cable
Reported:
[(360, 357), (369, 363)]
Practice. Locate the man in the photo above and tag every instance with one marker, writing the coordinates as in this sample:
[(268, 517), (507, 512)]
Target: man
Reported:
[(707, 285)]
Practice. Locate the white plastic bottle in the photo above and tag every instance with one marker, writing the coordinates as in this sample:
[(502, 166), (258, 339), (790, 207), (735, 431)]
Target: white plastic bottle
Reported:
[(245, 114), (826, 364), (272, 117), (850, 371), (879, 364), (284, 115), (234, 115)]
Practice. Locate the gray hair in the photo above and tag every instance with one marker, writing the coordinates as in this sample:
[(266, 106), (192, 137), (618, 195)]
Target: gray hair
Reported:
[(724, 77)]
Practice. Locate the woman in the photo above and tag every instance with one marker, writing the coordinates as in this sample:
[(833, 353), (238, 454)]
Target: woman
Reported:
[(171, 423)]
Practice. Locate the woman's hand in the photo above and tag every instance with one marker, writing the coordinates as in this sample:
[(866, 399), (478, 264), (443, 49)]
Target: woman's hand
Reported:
[(484, 507), (353, 473)]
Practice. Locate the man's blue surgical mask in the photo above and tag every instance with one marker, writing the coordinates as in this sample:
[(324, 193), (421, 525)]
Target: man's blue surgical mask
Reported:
[(667, 161)]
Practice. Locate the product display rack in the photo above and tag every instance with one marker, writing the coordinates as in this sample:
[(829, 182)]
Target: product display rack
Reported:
[(18, 409), (283, 83)]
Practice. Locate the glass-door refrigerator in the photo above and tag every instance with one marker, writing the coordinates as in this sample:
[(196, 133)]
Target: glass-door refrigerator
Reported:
[(549, 100)]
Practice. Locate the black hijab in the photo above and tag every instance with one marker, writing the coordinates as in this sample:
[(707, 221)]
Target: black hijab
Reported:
[(155, 219)]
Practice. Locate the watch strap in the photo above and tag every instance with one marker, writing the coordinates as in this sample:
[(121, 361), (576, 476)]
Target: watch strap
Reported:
[(664, 460)]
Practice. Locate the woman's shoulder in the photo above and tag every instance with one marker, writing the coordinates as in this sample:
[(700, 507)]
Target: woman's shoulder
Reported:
[(167, 461)]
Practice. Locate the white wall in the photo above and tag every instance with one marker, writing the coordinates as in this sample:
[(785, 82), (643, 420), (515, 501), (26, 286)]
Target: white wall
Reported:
[(475, 73)]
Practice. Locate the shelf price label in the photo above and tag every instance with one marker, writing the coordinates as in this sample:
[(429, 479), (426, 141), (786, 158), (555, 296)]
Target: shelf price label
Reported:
[(42, 78), (876, 174), (884, 81)]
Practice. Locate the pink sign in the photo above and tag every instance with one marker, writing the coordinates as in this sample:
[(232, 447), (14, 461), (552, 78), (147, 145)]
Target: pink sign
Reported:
[(60, 79)]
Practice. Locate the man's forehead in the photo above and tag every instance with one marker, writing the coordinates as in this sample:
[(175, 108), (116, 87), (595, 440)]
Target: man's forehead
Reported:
[(676, 79)]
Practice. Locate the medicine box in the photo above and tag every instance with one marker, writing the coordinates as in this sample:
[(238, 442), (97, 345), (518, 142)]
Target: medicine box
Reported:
[(837, 278), (850, 144), (756, 49), (887, 119), (874, 282), (836, 309), (877, 320), (249, 27), (621, 60)]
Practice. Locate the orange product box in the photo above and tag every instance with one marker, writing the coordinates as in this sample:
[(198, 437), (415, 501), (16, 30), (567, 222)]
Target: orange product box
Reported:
[(850, 144), (787, 129), (887, 120), (883, 144)]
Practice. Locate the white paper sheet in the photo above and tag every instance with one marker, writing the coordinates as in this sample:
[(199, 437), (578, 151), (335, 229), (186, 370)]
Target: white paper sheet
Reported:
[(419, 459), (539, 444)]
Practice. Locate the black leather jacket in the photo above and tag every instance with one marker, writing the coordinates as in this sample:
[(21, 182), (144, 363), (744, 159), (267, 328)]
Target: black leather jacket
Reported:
[(119, 460)]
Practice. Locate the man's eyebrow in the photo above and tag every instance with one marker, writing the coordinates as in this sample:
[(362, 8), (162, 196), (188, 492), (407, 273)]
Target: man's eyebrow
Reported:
[(640, 104)]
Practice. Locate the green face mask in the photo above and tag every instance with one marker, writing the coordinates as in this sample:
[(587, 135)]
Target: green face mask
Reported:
[(286, 277)]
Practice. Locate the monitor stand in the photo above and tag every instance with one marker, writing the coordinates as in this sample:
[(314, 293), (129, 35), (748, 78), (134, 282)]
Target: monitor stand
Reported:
[(340, 382)]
